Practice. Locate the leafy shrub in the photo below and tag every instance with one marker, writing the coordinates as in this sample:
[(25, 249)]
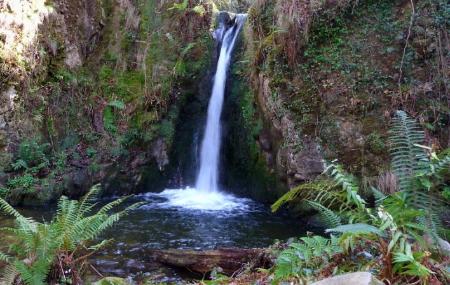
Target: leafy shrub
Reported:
[(304, 258), (3, 192), (167, 130), (91, 152), (59, 247), (398, 223), (375, 143), (23, 182), (32, 154), (109, 120)]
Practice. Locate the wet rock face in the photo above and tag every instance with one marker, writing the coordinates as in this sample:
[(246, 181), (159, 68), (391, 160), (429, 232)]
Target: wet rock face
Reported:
[(159, 152), (350, 134), (297, 158), (304, 165), (226, 18), (34, 37)]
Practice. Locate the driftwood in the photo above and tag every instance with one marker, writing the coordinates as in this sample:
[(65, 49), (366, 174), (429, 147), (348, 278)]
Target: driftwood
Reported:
[(230, 260)]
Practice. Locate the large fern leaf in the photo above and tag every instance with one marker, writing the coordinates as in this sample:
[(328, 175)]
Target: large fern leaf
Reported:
[(329, 217), (70, 230), (356, 229), (348, 183), (322, 191), (407, 156)]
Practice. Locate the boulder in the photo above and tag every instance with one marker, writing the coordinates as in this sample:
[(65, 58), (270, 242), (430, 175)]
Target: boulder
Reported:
[(356, 278), (112, 281)]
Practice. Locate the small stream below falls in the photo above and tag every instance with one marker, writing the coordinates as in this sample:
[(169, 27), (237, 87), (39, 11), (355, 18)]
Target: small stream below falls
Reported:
[(158, 225)]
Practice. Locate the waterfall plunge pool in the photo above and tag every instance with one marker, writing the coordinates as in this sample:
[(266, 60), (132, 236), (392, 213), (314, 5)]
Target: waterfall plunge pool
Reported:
[(161, 224)]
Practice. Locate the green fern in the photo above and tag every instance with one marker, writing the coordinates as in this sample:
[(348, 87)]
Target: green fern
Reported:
[(306, 257), (356, 229), (348, 184), (329, 217), (321, 190), (4, 257), (407, 157), (408, 262), (69, 233), (396, 225)]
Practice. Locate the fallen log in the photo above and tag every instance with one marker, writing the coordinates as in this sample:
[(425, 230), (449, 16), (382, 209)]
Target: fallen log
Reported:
[(230, 260)]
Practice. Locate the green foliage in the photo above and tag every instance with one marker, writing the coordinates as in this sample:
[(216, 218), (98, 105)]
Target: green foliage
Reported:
[(348, 184), (329, 217), (375, 143), (167, 130), (3, 192), (304, 258), (39, 248), (91, 152), (399, 221), (112, 281), (199, 9), (217, 278), (406, 136), (181, 7), (320, 191), (409, 263), (356, 229), (109, 120), (31, 154), (24, 183)]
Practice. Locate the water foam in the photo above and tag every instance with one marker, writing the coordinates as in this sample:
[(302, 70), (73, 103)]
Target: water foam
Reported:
[(193, 199)]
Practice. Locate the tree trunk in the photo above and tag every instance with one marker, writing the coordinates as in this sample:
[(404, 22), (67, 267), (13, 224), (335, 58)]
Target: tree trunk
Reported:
[(229, 260)]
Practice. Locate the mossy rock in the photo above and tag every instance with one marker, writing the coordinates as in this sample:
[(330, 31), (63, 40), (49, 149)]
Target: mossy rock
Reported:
[(112, 281)]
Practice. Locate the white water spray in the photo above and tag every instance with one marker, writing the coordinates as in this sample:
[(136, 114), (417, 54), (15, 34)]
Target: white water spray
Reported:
[(206, 195)]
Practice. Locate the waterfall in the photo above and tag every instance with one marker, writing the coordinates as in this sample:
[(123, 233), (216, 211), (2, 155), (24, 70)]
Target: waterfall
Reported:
[(206, 195), (207, 179)]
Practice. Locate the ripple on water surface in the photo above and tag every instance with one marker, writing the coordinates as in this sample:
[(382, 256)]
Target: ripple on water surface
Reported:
[(189, 219)]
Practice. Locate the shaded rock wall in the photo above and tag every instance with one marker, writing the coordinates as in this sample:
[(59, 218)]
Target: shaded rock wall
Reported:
[(327, 76)]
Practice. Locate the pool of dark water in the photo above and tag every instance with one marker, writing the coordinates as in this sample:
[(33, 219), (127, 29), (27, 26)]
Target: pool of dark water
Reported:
[(155, 226)]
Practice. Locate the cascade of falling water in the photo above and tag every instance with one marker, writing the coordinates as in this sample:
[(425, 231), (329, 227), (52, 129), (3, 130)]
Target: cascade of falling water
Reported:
[(206, 194), (207, 179)]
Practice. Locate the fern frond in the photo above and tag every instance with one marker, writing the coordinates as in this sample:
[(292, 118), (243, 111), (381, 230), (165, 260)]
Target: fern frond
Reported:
[(320, 191), (9, 210), (378, 195), (4, 257), (87, 202), (100, 245), (407, 157), (408, 264), (443, 164), (432, 206), (34, 275), (329, 217), (8, 275), (356, 229), (348, 183), (111, 205), (302, 258)]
